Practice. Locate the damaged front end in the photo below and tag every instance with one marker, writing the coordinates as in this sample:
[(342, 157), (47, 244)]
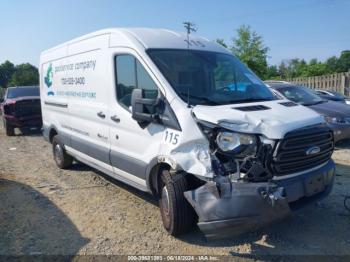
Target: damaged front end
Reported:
[(243, 194), (240, 196)]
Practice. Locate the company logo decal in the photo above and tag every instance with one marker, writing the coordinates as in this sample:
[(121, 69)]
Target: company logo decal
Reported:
[(48, 80), (313, 150)]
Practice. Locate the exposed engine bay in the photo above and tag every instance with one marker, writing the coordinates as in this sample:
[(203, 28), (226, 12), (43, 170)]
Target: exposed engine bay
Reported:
[(247, 161)]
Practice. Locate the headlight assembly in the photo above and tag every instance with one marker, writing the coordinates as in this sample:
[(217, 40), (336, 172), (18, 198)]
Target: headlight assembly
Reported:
[(236, 143), (335, 120)]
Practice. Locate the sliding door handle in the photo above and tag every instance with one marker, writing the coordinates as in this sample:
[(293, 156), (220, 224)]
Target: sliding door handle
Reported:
[(101, 115), (115, 118)]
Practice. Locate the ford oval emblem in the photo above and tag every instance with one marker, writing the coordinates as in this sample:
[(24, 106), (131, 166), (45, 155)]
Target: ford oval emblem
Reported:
[(313, 150)]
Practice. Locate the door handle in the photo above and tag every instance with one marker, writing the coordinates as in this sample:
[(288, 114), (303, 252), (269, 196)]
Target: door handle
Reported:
[(115, 118), (101, 115)]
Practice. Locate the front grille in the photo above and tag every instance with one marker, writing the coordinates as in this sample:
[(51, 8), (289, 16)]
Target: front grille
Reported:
[(28, 108), (294, 151)]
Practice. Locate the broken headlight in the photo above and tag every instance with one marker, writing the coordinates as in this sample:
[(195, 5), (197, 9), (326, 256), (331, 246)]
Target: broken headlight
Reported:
[(235, 143)]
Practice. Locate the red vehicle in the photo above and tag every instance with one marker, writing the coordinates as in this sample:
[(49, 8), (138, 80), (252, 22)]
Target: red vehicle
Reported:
[(21, 108)]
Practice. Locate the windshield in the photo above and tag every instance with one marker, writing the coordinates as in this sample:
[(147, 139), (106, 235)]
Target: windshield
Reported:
[(22, 91), (301, 95), (209, 78)]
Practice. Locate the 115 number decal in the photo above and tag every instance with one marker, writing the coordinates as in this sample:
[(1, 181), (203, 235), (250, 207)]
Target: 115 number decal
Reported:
[(171, 137)]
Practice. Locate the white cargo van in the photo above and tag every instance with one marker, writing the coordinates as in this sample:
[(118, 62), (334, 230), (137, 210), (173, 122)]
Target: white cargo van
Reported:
[(187, 122)]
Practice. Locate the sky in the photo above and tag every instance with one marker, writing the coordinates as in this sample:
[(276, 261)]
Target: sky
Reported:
[(291, 29)]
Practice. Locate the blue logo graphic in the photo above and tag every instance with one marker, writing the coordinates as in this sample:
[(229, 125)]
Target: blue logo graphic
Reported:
[(48, 80)]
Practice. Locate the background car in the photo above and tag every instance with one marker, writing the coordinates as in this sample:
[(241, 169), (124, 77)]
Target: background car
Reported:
[(21, 108), (336, 114), (333, 96)]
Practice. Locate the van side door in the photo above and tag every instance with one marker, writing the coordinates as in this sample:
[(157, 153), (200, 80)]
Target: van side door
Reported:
[(88, 105)]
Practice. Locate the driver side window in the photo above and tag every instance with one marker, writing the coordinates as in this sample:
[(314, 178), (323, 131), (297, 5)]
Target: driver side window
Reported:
[(130, 74)]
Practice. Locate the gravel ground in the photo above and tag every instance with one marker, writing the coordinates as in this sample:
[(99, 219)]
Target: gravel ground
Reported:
[(45, 210)]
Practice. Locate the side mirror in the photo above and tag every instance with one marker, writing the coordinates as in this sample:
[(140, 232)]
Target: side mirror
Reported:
[(1, 100), (143, 108)]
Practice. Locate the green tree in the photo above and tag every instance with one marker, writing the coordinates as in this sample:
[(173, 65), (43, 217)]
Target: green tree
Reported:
[(316, 68), (283, 70), (7, 69), (25, 74), (332, 65), (344, 61), (248, 46), (272, 73)]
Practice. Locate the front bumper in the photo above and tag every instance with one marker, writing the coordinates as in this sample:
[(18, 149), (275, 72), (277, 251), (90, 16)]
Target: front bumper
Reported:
[(230, 209), (32, 121)]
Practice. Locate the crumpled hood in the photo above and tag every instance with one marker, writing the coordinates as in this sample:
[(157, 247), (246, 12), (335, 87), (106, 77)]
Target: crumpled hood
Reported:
[(273, 122)]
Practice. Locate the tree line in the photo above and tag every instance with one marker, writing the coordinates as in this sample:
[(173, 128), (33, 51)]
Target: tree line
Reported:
[(249, 47), (18, 75)]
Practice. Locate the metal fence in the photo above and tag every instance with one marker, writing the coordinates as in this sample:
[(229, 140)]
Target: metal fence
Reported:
[(337, 82)]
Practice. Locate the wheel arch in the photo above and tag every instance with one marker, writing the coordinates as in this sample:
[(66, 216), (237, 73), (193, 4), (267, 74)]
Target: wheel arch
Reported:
[(51, 133), (152, 177), (160, 163)]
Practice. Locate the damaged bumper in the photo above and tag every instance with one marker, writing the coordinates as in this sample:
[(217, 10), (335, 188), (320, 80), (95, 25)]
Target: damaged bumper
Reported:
[(229, 209)]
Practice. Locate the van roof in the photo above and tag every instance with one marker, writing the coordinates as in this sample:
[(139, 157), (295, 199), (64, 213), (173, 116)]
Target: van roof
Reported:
[(147, 38)]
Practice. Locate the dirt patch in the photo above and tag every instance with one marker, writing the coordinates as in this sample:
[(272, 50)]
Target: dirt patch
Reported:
[(45, 210)]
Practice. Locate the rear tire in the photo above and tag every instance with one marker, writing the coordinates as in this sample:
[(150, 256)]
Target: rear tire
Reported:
[(177, 214), (10, 130), (62, 159)]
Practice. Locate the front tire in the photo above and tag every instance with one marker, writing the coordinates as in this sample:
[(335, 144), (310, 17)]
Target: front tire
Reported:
[(10, 130), (62, 159), (177, 215)]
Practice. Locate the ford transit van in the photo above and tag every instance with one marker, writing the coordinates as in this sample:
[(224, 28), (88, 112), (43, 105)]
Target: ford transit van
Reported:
[(185, 120)]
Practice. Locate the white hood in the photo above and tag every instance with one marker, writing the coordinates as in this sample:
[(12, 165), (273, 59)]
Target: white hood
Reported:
[(274, 122)]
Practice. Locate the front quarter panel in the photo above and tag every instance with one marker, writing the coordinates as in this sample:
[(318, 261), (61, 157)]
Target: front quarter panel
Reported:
[(188, 148)]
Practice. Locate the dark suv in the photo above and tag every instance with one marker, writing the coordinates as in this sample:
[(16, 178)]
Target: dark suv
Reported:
[(21, 108)]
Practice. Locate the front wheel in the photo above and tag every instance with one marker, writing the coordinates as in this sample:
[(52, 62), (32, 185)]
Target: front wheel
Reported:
[(62, 159), (177, 214)]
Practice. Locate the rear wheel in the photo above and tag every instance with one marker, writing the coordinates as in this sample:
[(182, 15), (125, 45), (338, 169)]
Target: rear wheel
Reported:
[(62, 159), (177, 214), (10, 130)]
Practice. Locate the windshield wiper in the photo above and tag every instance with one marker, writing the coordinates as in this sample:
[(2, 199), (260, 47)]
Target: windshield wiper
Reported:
[(200, 98)]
